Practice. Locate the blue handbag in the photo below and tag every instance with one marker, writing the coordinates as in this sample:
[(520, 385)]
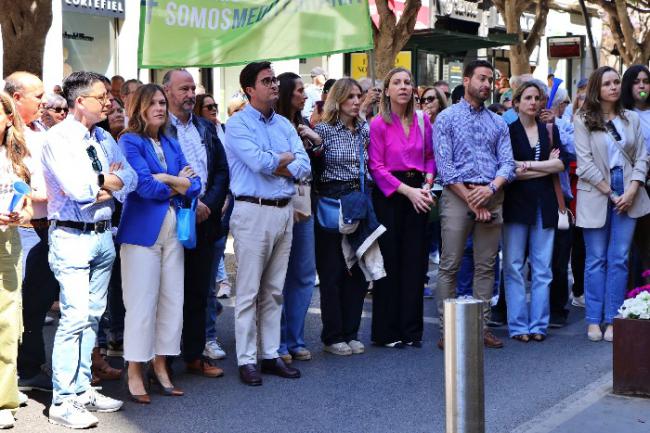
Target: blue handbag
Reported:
[(186, 225), (328, 208)]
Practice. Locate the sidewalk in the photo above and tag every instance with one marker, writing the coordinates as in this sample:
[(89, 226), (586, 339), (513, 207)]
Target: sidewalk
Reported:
[(595, 410)]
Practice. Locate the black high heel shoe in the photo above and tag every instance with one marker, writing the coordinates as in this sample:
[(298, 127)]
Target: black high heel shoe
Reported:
[(170, 391), (137, 398)]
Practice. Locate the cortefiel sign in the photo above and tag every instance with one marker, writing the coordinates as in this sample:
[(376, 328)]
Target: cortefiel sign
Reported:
[(207, 33), (107, 8)]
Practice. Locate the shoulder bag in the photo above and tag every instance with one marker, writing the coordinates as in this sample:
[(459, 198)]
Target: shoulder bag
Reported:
[(186, 225)]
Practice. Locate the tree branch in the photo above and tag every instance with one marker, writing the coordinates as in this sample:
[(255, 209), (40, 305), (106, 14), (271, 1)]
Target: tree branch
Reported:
[(407, 21), (541, 13)]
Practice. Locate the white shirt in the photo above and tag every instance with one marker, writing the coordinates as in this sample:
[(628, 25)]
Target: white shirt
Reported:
[(644, 116), (193, 148), (616, 159), (35, 141)]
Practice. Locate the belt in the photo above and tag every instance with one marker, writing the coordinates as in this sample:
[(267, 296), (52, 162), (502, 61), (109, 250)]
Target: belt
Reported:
[(279, 202), (408, 174), (38, 223), (98, 227), (467, 184)]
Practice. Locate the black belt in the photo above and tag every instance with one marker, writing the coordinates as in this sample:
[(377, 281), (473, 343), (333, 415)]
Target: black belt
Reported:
[(279, 202), (467, 184), (408, 174), (98, 227)]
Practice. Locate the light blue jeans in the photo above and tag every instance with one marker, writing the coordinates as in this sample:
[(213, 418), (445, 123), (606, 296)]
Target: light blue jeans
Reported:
[(518, 239), (214, 307), (606, 267), (82, 264), (298, 287)]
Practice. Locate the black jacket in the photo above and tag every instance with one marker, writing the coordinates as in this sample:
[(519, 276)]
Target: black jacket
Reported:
[(524, 197), (218, 178)]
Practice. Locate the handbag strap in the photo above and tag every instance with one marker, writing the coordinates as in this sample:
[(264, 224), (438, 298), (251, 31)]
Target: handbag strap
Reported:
[(420, 116), (619, 147), (362, 162), (559, 195)]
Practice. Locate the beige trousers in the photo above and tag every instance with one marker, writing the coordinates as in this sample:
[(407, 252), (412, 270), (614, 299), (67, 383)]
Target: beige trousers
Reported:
[(11, 317), (152, 289), (456, 226), (262, 237)]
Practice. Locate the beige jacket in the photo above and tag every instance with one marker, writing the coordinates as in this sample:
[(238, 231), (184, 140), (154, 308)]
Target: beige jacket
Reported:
[(593, 167)]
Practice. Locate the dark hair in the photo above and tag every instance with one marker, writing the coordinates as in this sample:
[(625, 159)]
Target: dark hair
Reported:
[(497, 108), (139, 106), (516, 97), (591, 111), (287, 87), (471, 66), (248, 75), (124, 90), (440, 83), (328, 85), (104, 79), (78, 83), (550, 75), (457, 94), (198, 107), (628, 82)]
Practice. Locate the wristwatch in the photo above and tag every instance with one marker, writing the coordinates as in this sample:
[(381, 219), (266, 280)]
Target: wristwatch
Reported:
[(492, 187), (100, 180)]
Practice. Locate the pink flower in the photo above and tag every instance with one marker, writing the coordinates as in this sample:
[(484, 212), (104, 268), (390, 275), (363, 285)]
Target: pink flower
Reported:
[(633, 293), (646, 273)]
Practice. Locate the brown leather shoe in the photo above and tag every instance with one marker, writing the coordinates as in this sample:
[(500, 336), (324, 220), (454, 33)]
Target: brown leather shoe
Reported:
[(203, 368), (279, 368), (249, 375), (491, 341), (101, 369), (441, 343)]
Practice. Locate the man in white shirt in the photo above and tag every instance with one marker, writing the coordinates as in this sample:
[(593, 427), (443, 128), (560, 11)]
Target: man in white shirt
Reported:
[(40, 288), (83, 168)]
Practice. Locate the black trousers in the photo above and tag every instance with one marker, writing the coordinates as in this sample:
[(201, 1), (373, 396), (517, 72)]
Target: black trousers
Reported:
[(40, 290), (342, 292), (578, 262), (559, 294), (397, 299), (198, 272)]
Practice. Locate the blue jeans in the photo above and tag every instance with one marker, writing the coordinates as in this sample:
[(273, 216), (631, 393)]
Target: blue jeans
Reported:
[(465, 278), (298, 287), (214, 306), (82, 264), (606, 267), (538, 242)]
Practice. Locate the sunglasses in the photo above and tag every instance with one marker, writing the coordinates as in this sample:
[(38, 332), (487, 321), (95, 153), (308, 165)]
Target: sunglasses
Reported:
[(58, 109), (417, 100), (211, 107), (428, 99), (92, 154)]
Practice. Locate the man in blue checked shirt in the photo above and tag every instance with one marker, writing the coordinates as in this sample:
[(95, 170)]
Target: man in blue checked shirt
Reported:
[(84, 169)]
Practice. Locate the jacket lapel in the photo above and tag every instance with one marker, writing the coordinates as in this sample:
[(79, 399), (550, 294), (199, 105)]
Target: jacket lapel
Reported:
[(149, 146)]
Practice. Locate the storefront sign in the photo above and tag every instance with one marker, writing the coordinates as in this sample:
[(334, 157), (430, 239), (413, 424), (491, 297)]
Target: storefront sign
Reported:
[(359, 63), (107, 8), (206, 33), (460, 9)]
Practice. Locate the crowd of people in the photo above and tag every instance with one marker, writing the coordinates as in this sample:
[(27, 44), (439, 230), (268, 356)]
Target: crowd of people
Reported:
[(135, 188)]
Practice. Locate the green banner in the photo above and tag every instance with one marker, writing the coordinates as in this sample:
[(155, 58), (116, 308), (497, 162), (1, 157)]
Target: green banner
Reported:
[(207, 33)]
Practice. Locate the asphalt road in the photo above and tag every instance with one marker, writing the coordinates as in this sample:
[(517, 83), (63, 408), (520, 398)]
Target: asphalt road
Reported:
[(383, 390)]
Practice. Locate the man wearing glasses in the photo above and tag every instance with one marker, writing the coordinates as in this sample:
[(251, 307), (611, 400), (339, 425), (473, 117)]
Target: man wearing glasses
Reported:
[(265, 155), (84, 169)]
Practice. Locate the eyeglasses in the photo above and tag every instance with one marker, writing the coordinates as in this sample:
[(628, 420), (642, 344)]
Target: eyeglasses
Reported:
[(58, 110), (428, 99), (270, 81), (92, 154), (101, 99), (211, 107)]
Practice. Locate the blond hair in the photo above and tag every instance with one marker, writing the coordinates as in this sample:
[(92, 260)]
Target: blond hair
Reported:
[(337, 95), (14, 139)]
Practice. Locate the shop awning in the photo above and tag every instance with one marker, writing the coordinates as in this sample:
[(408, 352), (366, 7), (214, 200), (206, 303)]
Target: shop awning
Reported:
[(448, 42)]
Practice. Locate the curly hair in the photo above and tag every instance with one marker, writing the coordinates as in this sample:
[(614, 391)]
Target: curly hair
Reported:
[(591, 111), (14, 139)]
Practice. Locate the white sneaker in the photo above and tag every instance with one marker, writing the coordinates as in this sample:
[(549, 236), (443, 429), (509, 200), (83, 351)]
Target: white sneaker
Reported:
[(356, 346), (578, 301), (71, 414), (7, 419), (93, 401), (225, 290), (213, 350), (22, 398), (338, 349)]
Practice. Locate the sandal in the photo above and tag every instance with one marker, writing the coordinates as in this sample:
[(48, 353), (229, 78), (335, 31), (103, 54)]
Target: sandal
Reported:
[(524, 338), (538, 337)]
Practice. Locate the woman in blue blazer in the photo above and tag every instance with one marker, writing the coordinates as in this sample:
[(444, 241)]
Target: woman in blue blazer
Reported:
[(152, 257)]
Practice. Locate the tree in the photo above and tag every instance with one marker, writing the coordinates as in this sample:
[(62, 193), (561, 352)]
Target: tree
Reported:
[(629, 24), (511, 11), (391, 33), (25, 24)]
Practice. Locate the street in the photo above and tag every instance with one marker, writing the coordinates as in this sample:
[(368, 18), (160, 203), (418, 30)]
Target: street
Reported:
[(383, 390)]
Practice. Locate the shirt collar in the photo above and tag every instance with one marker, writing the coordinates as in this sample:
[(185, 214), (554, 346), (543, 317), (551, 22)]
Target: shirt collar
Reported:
[(466, 105), (340, 125), (252, 111), (177, 122), (77, 129)]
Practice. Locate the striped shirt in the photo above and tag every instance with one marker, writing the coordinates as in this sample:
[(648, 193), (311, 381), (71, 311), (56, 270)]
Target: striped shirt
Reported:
[(193, 148)]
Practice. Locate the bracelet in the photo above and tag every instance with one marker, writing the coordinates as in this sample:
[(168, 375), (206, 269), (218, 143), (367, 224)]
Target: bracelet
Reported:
[(492, 187)]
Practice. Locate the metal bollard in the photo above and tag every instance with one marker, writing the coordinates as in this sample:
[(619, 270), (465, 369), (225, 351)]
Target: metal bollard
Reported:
[(464, 391)]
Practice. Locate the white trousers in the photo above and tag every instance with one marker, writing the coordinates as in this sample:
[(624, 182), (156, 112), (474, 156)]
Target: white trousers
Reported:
[(262, 237), (152, 289)]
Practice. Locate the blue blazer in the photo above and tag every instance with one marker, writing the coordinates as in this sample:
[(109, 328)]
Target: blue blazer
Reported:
[(145, 208)]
